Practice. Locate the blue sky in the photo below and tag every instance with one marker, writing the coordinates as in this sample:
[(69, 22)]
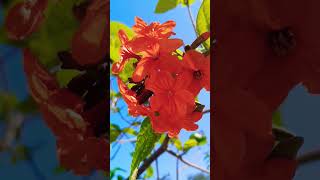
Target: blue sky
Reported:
[(124, 11)]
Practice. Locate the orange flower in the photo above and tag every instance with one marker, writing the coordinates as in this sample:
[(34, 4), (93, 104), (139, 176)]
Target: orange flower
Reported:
[(156, 55), (266, 48), (24, 18), (89, 43), (242, 131), (41, 83), (154, 30), (170, 93), (199, 65), (172, 124), (130, 97), (152, 44), (125, 53), (75, 127), (83, 156)]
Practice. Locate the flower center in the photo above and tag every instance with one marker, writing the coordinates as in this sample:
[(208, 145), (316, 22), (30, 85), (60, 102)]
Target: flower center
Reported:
[(282, 41), (197, 74)]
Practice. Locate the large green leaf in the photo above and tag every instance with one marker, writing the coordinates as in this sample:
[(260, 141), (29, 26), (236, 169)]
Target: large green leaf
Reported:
[(114, 39), (115, 131), (146, 141), (128, 70), (166, 5), (203, 21), (55, 33)]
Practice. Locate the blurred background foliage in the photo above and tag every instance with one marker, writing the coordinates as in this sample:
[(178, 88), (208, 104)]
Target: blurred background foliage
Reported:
[(27, 146)]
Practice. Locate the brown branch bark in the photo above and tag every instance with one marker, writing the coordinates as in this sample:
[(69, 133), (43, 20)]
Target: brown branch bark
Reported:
[(154, 156), (309, 157), (206, 111)]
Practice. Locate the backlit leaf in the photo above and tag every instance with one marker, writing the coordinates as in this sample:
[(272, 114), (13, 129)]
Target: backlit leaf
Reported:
[(203, 21), (146, 141)]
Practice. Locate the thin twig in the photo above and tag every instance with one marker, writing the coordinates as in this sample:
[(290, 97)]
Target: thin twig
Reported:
[(157, 169), (206, 111), (309, 157), (177, 169), (188, 163), (191, 17), (154, 156), (115, 153)]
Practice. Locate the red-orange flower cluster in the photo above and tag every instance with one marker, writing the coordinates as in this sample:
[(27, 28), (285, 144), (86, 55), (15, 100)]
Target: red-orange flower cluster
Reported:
[(24, 18), (81, 146), (165, 87), (89, 43), (263, 49)]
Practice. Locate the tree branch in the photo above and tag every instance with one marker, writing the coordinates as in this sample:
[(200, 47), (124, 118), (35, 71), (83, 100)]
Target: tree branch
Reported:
[(309, 157), (188, 163), (154, 156), (206, 111)]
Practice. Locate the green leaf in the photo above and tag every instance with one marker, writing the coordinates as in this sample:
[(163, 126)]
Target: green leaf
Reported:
[(65, 76), (114, 132), (149, 172), (114, 94), (203, 21), (113, 171), (59, 170), (128, 70), (190, 144), (55, 33), (146, 141), (200, 138), (277, 119), (129, 131), (20, 153), (177, 143), (166, 5), (114, 39), (7, 103), (28, 106)]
